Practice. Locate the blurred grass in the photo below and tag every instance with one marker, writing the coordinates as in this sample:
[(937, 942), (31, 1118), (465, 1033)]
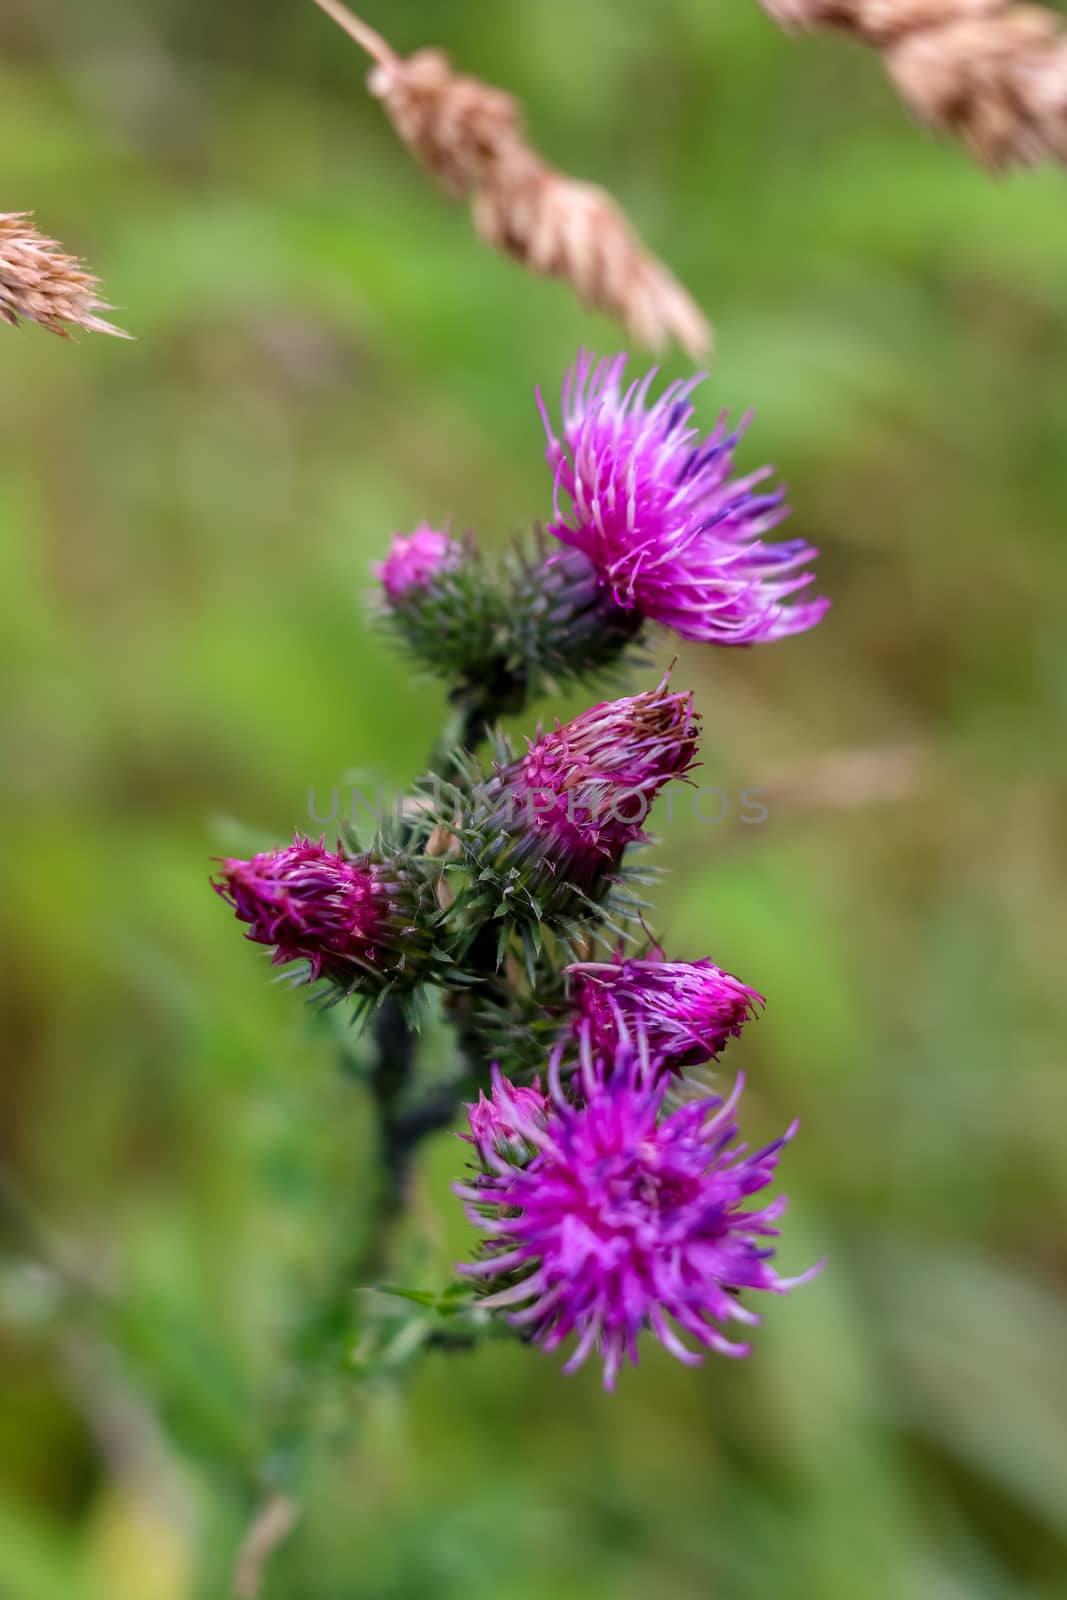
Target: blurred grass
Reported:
[(324, 355)]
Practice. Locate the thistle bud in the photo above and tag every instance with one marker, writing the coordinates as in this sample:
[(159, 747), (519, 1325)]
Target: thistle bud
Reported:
[(564, 814), (414, 562), (565, 623), (507, 1125), (501, 635), (444, 605), (355, 920), (685, 1010)]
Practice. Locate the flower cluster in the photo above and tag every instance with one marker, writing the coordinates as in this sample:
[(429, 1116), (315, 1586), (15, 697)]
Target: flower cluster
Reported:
[(615, 1203)]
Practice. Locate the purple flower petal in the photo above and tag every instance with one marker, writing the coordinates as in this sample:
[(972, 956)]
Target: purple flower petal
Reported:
[(657, 513)]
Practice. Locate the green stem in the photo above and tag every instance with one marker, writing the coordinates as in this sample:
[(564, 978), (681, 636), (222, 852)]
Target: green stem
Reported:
[(401, 1129), (470, 719)]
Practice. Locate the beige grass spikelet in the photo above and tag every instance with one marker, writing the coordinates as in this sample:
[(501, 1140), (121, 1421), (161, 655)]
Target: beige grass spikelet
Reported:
[(39, 282), (990, 71), (455, 124), (471, 137)]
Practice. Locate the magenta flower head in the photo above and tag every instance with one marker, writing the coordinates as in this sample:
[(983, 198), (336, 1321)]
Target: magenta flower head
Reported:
[(686, 1010), (665, 526), (414, 561), (583, 791), (509, 1122), (627, 1220), (355, 920)]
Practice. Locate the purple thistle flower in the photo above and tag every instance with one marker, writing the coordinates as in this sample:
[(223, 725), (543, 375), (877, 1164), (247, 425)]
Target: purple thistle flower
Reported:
[(625, 1218), (658, 515), (352, 919), (687, 1010), (583, 790), (414, 561)]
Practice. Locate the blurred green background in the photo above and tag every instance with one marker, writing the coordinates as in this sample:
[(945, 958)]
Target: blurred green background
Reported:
[(324, 354)]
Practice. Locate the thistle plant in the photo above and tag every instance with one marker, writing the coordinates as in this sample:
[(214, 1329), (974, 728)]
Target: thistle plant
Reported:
[(605, 1181), (355, 920)]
